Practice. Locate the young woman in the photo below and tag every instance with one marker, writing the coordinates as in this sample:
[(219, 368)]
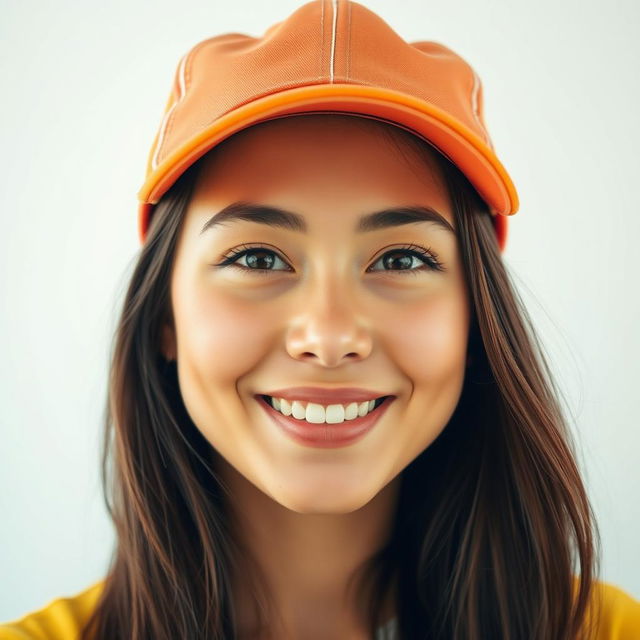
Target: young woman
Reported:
[(329, 417)]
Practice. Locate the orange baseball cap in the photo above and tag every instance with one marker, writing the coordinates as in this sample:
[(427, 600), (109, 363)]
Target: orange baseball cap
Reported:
[(328, 56)]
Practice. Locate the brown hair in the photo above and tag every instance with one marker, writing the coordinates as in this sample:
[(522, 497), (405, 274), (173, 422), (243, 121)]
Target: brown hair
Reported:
[(493, 519)]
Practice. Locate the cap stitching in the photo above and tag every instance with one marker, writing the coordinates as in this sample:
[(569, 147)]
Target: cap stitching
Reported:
[(349, 42), (321, 70), (474, 104), (167, 115), (184, 77), (333, 38), (186, 80)]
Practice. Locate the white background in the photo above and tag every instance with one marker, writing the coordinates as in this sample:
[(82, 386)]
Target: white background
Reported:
[(84, 85)]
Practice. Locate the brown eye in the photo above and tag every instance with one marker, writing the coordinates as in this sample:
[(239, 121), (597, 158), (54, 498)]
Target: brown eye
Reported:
[(257, 259), (405, 259)]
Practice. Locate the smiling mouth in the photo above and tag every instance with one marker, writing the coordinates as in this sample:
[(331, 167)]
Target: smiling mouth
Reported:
[(309, 428), (323, 414)]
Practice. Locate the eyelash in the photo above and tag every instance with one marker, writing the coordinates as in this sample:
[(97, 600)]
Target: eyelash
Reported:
[(430, 258)]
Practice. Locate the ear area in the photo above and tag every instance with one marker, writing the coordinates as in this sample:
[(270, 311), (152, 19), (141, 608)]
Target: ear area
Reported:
[(168, 342)]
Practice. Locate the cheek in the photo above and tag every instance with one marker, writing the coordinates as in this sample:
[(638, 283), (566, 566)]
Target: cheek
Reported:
[(220, 335), (431, 340), (431, 352), (220, 339)]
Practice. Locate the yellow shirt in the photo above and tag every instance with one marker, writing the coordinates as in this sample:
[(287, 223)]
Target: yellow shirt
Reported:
[(62, 618)]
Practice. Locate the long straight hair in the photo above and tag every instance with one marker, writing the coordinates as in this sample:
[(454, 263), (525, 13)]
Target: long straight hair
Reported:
[(493, 537)]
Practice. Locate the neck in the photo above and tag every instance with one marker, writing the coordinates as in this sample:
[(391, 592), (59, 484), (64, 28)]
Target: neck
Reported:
[(304, 565)]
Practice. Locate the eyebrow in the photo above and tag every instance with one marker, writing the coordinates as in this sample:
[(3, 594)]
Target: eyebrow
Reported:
[(276, 217)]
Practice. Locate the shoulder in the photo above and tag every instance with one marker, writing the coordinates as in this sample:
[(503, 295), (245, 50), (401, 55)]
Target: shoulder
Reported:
[(613, 613), (60, 619)]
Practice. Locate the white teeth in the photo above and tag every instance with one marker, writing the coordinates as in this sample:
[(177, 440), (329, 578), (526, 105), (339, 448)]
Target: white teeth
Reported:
[(318, 414), (351, 411), (298, 410)]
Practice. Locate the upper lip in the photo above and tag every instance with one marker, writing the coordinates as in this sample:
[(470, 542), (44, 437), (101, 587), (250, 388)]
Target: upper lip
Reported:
[(322, 395)]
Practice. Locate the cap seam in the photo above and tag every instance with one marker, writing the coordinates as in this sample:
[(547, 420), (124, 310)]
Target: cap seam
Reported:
[(321, 38), (167, 115), (349, 40), (334, 33), (186, 71), (475, 88)]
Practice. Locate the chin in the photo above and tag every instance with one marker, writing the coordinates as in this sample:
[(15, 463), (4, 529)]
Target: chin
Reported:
[(323, 500)]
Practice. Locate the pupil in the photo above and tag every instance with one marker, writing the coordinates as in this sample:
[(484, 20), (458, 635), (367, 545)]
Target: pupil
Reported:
[(406, 261), (252, 260)]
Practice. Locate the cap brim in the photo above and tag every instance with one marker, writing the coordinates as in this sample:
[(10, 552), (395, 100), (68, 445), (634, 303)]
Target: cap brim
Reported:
[(452, 138)]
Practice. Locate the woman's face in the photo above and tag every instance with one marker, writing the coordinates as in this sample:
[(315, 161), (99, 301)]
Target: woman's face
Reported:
[(331, 307)]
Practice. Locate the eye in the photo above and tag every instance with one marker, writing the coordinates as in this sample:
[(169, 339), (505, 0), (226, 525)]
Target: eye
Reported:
[(261, 260), (403, 258), (258, 259)]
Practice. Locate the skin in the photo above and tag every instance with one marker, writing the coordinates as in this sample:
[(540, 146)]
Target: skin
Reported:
[(311, 516)]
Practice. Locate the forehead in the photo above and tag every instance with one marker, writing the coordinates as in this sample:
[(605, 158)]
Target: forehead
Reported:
[(324, 160)]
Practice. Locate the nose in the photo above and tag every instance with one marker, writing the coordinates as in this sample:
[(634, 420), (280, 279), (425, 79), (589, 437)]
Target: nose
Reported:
[(331, 328)]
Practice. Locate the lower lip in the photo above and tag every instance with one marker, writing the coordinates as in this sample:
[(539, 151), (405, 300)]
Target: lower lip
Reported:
[(325, 435)]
